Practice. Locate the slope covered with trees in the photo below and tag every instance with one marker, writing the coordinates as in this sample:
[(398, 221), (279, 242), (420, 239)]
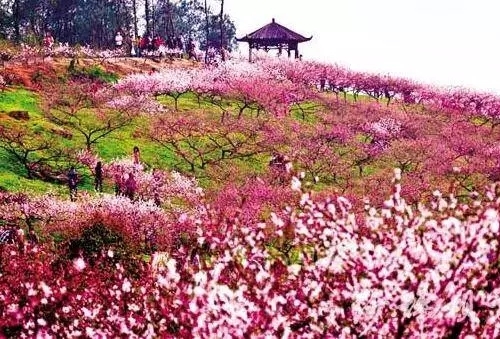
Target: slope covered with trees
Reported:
[(265, 201)]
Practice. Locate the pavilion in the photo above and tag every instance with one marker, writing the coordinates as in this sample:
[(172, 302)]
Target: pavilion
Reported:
[(274, 36)]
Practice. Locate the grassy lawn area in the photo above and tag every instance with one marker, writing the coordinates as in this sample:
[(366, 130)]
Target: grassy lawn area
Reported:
[(121, 142), (19, 99)]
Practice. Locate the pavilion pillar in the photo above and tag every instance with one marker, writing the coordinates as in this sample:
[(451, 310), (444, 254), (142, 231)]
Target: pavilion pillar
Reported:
[(297, 52), (249, 52)]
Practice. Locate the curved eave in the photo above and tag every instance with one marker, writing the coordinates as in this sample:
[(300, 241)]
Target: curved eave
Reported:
[(249, 40)]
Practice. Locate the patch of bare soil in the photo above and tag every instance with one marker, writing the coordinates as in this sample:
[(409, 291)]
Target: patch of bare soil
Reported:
[(30, 73)]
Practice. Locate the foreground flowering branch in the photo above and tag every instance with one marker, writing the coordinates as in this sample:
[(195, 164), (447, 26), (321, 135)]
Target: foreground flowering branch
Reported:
[(318, 269)]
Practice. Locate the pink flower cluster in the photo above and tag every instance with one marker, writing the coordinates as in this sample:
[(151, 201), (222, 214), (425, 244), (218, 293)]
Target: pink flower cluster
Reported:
[(342, 80), (249, 84), (319, 269)]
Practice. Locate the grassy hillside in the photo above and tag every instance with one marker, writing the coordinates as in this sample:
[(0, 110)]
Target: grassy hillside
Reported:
[(335, 139)]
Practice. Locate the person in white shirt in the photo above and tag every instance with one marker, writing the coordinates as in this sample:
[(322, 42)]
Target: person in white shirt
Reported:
[(118, 40)]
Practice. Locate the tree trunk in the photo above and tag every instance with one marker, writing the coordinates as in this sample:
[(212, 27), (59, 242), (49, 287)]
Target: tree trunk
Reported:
[(118, 14), (222, 53), (207, 31), (134, 13), (148, 16), (16, 13)]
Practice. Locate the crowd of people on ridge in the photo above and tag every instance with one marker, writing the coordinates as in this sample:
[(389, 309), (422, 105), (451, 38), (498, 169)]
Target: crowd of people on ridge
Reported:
[(148, 45)]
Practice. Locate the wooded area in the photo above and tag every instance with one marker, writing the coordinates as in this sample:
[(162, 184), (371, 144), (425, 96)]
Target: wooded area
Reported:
[(95, 22)]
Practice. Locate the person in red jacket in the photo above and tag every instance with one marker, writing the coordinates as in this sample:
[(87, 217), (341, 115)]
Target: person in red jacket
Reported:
[(157, 42), (143, 45)]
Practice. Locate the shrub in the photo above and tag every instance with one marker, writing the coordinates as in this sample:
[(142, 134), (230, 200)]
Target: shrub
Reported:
[(19, 115), (93, 72)]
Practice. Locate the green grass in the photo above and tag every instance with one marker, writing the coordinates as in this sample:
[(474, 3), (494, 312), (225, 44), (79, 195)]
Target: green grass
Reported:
[(116, 145), (13, 178), (19, 99), (121, 142), (94, 72), (305, 112), (12, 175), (186, 102)]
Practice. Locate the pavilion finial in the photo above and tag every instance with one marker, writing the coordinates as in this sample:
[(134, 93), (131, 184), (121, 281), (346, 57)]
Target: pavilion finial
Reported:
[(273, 20)]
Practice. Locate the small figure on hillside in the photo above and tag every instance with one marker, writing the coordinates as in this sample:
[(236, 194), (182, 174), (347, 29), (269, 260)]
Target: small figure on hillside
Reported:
[(98, 177), (72, 183), (179, 44), (31, 237), (48, 40), (118, 181), (322, 84), (280, 165), (118, 39), (134, 46), (158, 42), (130, 186), (137, 155), (277, 160), (142, 45), (191, 50), (149, 43)]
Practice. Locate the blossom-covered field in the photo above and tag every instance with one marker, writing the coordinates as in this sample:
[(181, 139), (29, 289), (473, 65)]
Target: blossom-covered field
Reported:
[(377, 215)]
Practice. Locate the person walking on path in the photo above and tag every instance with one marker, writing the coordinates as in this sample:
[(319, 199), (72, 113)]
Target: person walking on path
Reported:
[(72, 183), (137, 155), (98, 177)]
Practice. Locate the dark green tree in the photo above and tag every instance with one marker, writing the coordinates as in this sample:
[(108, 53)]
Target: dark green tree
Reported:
[(95, 22), (189, 20)]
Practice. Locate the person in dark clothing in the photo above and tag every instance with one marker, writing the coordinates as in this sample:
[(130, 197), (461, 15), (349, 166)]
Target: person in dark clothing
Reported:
[(178, 43), (72, 183), (119, 181), (277, 160), (98, 177), (31, 237)]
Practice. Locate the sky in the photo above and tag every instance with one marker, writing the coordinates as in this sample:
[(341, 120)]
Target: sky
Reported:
[(441, 42)]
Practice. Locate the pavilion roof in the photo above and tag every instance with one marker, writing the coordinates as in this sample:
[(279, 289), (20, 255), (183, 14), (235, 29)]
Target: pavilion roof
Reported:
[(274, 32)]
